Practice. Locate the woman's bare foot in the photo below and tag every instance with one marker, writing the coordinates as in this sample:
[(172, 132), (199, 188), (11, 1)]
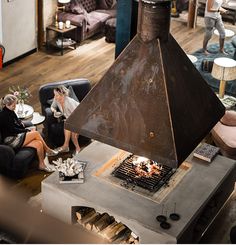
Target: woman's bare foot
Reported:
[(206, 52), (223, 52)]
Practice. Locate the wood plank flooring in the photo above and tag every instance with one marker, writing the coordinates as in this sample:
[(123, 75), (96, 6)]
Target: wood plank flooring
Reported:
[(89, 60)]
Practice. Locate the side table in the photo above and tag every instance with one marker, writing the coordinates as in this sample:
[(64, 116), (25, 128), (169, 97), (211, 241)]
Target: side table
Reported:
[(37, 118), (61, 43), (27, 111)]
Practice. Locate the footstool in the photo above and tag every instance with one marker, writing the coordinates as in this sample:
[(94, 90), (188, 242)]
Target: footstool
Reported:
[(110, 30)]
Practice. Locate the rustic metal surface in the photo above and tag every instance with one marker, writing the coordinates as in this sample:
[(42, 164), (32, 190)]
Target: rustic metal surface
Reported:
[(152, 102)]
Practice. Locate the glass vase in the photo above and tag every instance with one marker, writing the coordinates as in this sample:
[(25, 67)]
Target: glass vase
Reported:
[(20, 108)]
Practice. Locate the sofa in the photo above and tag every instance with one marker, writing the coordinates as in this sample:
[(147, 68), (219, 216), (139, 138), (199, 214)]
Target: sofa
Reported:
[(15, 164), (224, 134), (89, 16), (54, 127)]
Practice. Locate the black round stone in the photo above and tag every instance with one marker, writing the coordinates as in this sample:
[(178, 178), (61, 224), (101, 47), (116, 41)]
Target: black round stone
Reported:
[(174, 216), (165, 225), (161, 218)]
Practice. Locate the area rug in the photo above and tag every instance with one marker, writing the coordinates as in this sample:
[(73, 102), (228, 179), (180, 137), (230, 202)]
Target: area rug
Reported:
[(214, 53)]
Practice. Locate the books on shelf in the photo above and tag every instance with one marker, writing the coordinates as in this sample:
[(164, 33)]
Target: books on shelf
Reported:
[(206, 152), (228, 101), (66, 42)]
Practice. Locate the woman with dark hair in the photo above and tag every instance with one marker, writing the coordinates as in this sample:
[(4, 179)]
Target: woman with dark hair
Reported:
[(16, 135), (66, 106)]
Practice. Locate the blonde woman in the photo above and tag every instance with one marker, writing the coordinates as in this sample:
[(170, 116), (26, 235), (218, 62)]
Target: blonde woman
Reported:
[(66, 106), (16, 135)]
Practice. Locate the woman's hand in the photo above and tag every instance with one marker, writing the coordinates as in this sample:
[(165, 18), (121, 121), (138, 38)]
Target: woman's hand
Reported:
[(223, 11)]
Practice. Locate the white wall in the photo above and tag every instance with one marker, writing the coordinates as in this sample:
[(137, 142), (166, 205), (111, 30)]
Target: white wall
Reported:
[(0, 21), (49, 10), (18, 27)]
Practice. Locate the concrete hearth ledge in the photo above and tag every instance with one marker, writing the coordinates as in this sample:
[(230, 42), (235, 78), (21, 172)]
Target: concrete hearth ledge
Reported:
[(191, 195)]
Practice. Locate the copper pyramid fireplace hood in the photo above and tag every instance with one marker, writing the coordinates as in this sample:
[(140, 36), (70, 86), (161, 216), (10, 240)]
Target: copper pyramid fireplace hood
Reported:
[(152, 101)]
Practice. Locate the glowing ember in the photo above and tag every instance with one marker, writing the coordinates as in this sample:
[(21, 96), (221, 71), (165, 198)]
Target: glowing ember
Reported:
[(145, 167)]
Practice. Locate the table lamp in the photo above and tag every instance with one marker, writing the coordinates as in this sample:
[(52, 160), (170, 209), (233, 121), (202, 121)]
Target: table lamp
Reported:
[(61, 2), (224, 69)]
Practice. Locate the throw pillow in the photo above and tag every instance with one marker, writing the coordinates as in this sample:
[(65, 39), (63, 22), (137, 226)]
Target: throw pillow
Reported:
[(72, 93), (105, 4), (78, 9), (49, 102), (89, 5)]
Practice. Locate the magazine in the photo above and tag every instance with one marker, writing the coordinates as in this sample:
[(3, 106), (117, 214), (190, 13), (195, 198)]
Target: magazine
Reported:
[(206, 152)]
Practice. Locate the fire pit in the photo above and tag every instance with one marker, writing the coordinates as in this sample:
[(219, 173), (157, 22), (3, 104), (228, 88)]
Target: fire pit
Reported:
[(144, 172), (197, 201)]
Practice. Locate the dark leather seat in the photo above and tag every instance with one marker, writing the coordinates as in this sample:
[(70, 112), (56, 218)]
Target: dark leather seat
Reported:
[(15, 164), (53, 128)]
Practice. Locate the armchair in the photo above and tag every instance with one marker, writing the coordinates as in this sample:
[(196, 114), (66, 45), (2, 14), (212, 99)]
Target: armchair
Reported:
[(53, 128), (224, 134), (15, 164)]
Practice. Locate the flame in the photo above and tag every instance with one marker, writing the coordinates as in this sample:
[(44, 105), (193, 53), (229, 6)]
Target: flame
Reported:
[(145, 167)]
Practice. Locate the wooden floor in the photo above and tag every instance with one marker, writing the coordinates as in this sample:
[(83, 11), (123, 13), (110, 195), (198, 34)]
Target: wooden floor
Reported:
[(90, 60)]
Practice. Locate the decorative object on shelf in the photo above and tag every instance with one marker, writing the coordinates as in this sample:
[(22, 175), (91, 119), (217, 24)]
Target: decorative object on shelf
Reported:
[(21, 93), (206, 152), (174, 12), (70, 170), (60, 25), (62, 7), (223, 69), (68, 24)]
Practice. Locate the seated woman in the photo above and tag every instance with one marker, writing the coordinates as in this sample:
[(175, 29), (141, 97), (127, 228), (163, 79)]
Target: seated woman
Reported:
[(16, 135), (66, 106)]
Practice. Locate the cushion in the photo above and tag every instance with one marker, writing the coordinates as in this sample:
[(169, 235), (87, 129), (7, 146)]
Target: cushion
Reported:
[(77, 9), (49, 102), (225, 137), (229, 118), (105, 4), (72, 93), (89, 5)]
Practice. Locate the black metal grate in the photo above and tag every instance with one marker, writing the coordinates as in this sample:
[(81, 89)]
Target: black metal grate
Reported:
[(126, 171)]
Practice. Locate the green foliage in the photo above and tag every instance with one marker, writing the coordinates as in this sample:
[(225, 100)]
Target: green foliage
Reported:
[(21, 93)]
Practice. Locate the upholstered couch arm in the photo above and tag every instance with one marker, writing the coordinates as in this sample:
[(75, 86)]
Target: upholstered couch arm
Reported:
[(229, 118), (6, 160)]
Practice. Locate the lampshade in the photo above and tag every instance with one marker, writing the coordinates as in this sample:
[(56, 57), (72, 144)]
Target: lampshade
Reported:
[(63, 1), (224, 69)]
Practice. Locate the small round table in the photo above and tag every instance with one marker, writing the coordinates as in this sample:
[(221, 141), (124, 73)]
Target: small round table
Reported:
[(37, 118), (27, 111), (228, 33)]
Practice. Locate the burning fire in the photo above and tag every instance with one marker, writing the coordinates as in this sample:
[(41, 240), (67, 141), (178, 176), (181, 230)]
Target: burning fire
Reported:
[(145, 167)]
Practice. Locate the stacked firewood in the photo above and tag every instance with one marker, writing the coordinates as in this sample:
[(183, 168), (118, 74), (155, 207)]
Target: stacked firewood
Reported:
[(105, 225)]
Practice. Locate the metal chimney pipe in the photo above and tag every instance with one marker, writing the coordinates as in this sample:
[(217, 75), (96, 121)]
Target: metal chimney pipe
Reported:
[(154, 20)]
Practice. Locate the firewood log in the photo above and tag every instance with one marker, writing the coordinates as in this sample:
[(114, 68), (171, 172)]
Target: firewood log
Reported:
[(122, 236), (91, 222), (103, 222), (108, 229), (87, 216), (82, 211), (114, 231)]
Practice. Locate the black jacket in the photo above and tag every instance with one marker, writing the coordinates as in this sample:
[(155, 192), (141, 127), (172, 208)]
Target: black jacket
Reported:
[(10, 124)]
